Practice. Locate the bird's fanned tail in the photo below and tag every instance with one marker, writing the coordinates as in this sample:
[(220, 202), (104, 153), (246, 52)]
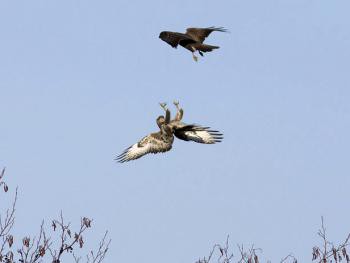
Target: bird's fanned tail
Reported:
[(206, 48)]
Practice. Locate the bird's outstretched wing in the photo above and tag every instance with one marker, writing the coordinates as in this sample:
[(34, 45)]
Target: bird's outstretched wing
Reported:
[(174, 38), (198, 134), (152, 143), (199, 34)]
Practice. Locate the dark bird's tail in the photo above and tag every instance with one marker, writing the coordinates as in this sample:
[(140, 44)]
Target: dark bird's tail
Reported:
[(206, 48)]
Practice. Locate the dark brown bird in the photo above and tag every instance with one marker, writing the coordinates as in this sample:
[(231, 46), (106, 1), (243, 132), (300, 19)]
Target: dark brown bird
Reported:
[(192, 40)]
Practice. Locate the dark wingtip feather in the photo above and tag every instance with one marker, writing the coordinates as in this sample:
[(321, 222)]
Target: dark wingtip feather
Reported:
[(121, 158), (121, 155), (220, 29)]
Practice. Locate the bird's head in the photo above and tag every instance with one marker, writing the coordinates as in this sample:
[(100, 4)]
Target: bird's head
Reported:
[(160, 121), (163, 35)]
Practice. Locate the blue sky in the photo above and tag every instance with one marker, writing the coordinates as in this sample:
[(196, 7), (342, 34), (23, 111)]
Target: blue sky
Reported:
[(81, 80)]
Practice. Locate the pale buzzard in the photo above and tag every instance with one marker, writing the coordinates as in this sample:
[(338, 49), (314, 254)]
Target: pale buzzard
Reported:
[(162, 141)]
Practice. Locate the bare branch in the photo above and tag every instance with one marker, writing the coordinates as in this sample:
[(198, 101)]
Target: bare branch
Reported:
[(329, 252), (67, 241), (34, 250), (41, 248), (290, 256), (2, 183), (224, 256), (99, 256), (7, 222)]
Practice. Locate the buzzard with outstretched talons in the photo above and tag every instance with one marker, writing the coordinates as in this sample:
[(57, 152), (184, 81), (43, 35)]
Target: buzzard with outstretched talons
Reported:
[(192, 40), (162, 141)]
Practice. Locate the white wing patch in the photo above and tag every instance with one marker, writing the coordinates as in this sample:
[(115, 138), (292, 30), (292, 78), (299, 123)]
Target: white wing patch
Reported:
[(147, 145), (133, 152)]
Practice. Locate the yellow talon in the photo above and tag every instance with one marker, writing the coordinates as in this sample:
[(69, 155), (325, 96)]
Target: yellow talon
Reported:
[(194, 57), (163, 105)]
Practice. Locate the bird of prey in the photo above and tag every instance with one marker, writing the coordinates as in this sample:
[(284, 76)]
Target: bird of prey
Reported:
[(162, 141), (191, 132), (192, 39)]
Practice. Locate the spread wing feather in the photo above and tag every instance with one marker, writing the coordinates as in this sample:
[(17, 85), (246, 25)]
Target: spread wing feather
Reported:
[(199, 34), (152, 143), (198, 134)]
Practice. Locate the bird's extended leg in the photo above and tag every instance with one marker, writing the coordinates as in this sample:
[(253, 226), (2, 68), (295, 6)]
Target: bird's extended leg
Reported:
[(195, 58), (163, 105), (180, 111), (167, 112), (176, 103), (193, 49)]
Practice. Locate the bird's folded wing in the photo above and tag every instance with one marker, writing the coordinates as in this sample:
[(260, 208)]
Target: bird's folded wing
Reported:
[(198, 134), (199, 34), (149, 144)]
